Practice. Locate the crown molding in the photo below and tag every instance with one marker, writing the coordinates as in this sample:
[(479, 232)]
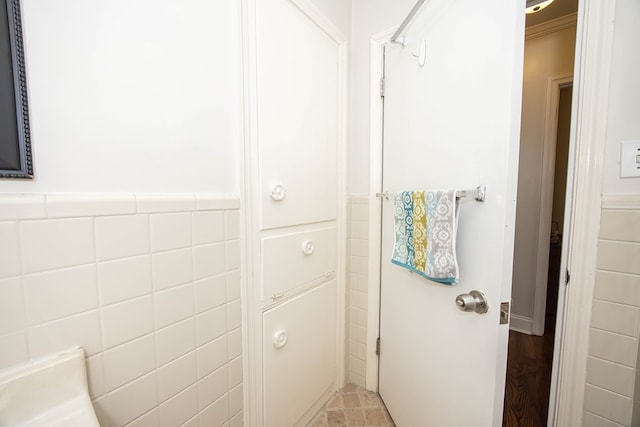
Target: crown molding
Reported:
[(551, 26)]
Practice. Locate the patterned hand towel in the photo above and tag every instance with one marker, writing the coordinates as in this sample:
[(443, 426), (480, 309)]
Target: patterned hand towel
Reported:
[(425, 234)]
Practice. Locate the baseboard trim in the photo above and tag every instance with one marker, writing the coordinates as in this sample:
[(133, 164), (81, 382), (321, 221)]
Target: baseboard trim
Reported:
[(521, 324)]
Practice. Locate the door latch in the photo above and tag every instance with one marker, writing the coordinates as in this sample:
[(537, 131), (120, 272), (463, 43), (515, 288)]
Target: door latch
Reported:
[(504, 312)]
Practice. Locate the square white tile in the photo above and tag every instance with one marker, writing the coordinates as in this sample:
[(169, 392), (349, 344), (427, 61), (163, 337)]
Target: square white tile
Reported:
[(235, 400), (211, 324), (235, 372), (209, 260), (122, 236), (125, 278), (208, 227), (132, 400), (128, 361), (617, 287), (127, 320), (13, 314), (60, 293), (149, 419), (173, 305), (59, 243), (13, 349), (172, 268), (210, 292), (212, 387), (232, 255), (175, 340), (9, 250), (215, 414), (608, 405), (619, 256), (621, 225), (232, 224), (618, 318), (234, 315), (170, 231), (233, 285), (211, 356), (234, 344), (177, 375), (610, 376), (179, 409), (613, 347)]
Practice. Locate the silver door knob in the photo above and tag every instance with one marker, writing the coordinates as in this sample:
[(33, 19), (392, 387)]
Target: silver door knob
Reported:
[(473, 301)]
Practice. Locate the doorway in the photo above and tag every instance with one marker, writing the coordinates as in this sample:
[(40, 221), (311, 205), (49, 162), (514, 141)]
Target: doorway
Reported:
[(530, 357)]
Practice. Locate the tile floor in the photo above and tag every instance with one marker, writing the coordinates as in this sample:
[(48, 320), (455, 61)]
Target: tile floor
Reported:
[(353, 406)]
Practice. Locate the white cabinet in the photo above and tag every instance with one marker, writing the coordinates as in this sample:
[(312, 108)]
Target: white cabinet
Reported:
[(295, 149), (301, 370)]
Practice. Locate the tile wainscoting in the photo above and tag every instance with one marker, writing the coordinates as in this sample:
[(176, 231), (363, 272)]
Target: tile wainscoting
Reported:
[(615, 320), (358, 235), (148, 285)]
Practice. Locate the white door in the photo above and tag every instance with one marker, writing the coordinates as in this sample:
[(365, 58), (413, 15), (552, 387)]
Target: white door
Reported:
[(453, 123)]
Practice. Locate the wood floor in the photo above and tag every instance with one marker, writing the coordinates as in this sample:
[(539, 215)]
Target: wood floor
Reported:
[(528, 379)]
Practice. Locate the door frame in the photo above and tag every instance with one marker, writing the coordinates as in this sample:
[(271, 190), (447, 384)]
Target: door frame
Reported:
[(594, 36), (549, 142)]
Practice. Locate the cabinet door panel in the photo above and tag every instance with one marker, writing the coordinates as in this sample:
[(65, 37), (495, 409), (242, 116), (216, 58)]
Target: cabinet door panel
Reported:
[(296, 259), (298, 116), (299, 373)]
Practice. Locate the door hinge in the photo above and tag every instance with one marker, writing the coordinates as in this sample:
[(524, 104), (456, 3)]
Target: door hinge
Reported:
[(378, 347), (381, 87), (505, 307), (567, 277)]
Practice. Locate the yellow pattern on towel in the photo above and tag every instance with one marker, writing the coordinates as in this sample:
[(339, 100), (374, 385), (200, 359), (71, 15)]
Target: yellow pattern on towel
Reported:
[(419, 231)]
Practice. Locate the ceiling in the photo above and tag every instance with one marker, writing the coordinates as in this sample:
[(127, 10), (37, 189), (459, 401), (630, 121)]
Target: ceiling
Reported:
[(555, 10)]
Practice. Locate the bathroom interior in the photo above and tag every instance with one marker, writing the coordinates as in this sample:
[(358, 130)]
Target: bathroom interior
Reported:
[(200, 243)]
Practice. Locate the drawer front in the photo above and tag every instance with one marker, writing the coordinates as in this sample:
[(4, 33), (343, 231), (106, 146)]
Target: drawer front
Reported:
[(297, 259), (299, 347)]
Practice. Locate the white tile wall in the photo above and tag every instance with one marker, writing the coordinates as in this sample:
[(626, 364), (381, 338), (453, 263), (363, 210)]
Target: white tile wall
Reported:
[(358, 214), (615, 323), (149, 285)]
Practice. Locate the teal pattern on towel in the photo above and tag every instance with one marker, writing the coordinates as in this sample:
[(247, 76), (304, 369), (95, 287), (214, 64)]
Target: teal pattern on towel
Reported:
[(432, 255)]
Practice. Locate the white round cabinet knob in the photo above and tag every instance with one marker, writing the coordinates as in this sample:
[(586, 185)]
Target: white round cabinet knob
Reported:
[(280, 338), (278, 193), (307, 247)]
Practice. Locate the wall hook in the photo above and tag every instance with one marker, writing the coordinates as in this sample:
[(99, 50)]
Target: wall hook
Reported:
[(422, 55)]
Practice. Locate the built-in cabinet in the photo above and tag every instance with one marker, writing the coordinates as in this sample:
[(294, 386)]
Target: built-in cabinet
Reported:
[(294, 201)]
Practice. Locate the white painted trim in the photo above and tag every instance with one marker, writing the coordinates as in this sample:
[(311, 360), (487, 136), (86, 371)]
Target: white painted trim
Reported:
[(14, 206), (251, 369), (521, 324), (594, 38), (551, 26), (376, 52), (621, 201), (250, 201), (549, 143)]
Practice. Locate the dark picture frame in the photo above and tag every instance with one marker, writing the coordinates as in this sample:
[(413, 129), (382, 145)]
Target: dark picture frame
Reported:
[(15, 138)]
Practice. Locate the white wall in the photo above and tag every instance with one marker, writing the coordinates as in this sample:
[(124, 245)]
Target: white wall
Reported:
[(624, 97), (550, 55), (137, 96), (368, 18)]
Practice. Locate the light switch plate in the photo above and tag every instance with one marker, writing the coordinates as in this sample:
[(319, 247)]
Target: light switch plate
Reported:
[(630, 159)]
